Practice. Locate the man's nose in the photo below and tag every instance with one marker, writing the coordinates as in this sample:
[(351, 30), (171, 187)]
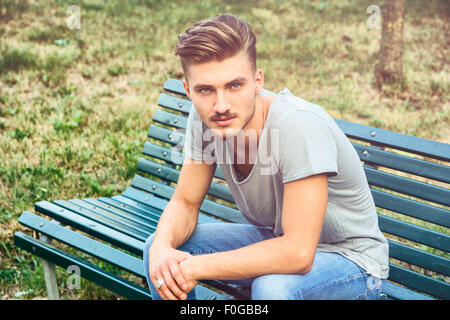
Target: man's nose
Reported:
[(221, 104)]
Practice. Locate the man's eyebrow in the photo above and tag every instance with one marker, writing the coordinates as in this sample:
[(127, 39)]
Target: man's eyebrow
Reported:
[(201, 86)]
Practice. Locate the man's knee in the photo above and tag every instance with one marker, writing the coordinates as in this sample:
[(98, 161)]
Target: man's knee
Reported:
[(273, 287), (147, 245)]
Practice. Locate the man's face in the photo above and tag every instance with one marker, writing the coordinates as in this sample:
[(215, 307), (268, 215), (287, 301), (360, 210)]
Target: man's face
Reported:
[(224, 93)]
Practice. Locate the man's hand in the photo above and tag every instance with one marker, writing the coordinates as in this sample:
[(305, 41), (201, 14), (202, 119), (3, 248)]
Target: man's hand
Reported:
[(188, 269), (165, 265)]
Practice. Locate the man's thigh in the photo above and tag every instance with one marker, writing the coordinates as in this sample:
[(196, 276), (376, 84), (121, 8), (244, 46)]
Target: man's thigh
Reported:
[(217, 237), (332, 277)]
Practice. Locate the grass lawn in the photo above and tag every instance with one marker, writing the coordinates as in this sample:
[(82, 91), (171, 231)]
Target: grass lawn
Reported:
[(75, 105)]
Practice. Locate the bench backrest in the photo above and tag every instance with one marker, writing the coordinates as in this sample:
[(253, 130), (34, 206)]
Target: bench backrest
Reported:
[(409, 179)]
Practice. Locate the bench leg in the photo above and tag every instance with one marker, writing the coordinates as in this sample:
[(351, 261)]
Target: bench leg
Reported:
[(50, 274)]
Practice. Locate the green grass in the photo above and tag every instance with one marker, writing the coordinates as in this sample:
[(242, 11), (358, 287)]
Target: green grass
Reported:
[(15, 59), (75, 106)]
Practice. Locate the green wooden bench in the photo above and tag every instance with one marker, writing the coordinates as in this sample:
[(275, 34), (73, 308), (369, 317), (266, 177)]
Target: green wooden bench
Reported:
[(410, 188)]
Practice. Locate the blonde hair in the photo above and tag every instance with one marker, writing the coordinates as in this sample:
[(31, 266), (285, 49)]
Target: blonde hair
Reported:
[(216, 38)]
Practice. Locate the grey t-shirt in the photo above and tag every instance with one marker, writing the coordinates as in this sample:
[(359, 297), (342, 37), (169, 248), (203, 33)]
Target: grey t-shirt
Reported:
[(300, 139)]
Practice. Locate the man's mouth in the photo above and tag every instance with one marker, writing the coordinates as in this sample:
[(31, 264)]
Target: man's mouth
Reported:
[(224, 122)]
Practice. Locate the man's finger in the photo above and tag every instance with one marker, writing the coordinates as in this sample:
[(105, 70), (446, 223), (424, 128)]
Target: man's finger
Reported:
[(175, 270), (155, 279), (171, 285)]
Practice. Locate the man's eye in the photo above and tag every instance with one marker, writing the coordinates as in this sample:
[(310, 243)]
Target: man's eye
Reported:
[(205, 90), (235, 85)]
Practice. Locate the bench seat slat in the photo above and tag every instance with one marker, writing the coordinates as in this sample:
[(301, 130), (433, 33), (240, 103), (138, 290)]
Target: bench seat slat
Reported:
[(408, 186), (90, 226), (401, 293), (148, 211), (146, 200), (414, 233), (173, 137), (78, 241), (131, 213), (175, 86), (419, 258), (403, 163), (170, 174), (395, 140), (170, 119), (141, 199), (107, 218), (88, 271), (175, 103), (419, 282), (411, 208), (208, 206), (171, 156)]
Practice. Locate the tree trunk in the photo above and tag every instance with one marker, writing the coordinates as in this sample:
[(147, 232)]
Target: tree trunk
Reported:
[(389, 67)]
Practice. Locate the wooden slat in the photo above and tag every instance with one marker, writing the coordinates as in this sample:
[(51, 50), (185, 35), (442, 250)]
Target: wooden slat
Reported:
[(400, 293), (414, 280), (170, 174), (124, 218), (414, 233), (403, 163), (208, 206), (148, 211), (419, 258), (129, 213), (408, 186), (107, 220), (174, 137), (175, 103), (174, 86), (87, 245), (395, 140), (140, 199), (171, 156), (411, 208), (170, 119), (90, 226), (88, 271)]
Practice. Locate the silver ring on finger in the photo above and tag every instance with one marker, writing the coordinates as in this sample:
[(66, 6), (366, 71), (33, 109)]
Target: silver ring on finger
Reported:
[(159, 283)]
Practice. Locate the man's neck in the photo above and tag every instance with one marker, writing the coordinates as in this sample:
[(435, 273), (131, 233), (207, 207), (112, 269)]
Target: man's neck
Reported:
[(249, 137)]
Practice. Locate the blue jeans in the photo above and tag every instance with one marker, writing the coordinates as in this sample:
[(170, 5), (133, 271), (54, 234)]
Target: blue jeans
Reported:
[(332, 276)]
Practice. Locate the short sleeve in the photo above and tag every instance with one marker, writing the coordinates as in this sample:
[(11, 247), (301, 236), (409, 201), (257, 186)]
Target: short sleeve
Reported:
[(197, 145), (307, 146)]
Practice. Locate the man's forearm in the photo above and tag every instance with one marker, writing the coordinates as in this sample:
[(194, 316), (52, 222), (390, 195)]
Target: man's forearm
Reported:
[(176, 225), (266, 257)]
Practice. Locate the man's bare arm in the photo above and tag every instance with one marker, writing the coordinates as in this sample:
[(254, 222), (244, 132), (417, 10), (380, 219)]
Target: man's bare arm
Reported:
[(304, 207), (179, 219), (177, 223)]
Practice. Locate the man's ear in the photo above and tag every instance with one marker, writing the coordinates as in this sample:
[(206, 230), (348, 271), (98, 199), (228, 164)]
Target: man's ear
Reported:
[(186, 88), (259, 80)]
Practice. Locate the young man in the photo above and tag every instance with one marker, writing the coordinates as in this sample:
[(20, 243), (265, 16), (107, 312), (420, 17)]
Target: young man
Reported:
[(313, 230)]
